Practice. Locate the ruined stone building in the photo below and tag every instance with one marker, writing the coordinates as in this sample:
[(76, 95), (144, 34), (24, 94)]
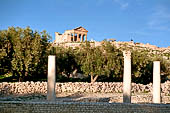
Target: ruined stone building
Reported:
[(78, 34)]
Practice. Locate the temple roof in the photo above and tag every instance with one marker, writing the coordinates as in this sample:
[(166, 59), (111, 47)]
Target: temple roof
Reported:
[(81, 29)]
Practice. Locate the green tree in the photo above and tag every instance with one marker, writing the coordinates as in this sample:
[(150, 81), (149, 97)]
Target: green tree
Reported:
[(6, 51), (142, 67), (91, 61), (113, 60), (65, 60), (45, 51), (3, 52), (25, 51), (102, 60)]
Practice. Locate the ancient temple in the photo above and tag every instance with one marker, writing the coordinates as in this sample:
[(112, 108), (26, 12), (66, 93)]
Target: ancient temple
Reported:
[(78, 34)]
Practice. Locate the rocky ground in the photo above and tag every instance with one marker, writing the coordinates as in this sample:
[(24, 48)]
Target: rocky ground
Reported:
[(80, 92), (85, 97)]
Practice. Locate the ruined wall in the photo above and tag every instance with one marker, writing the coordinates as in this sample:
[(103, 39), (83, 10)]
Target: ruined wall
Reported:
[(98, 87), (38, 91)]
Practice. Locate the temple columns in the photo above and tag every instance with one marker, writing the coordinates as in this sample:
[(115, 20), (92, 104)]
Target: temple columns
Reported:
[(80, 37)]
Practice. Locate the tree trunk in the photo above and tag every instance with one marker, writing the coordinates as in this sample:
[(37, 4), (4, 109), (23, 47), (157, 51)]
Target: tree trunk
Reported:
[(93, 79), (21, 79)]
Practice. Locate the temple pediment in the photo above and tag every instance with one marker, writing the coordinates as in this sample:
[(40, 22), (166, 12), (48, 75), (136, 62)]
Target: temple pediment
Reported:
[(81, 29)]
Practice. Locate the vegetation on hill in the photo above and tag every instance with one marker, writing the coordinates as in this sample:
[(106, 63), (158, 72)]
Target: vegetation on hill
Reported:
[(24, 52)]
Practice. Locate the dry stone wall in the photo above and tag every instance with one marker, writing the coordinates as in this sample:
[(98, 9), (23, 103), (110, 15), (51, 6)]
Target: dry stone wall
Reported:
[(98, 87)]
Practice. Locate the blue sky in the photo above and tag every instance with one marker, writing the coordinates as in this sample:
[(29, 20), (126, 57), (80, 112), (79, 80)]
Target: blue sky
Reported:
[(145, 21)]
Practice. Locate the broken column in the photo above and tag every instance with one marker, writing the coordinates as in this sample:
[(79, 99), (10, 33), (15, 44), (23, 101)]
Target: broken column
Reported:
[(51, 78), (127, 77), (156, 82)]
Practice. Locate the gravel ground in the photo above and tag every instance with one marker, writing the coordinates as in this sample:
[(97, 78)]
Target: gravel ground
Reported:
[(75, 97)]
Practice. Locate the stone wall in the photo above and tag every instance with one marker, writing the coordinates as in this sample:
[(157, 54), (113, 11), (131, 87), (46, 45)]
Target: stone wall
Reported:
[(98, 87), (78, 107)]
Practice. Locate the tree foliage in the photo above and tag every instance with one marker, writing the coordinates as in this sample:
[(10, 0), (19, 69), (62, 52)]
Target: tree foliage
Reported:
[(91, 61), (65, 60), (113, 60), (107, 60), (101, 60), (141, 66), (25, 51)]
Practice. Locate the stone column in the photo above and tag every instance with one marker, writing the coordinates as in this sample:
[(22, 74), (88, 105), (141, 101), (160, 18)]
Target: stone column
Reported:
[(82, 37), (51, 78), (156, 82), (127, 77), (86, 37), (77, 37), (73, 37)]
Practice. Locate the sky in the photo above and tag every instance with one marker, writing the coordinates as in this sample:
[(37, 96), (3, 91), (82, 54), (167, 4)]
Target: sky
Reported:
[(144, 21)]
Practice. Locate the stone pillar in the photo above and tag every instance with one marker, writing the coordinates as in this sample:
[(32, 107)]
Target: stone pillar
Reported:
[(78, 37), (82, 37), (127, 77), (51, 78), (73, 37), (156, 82), (86, 37)]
